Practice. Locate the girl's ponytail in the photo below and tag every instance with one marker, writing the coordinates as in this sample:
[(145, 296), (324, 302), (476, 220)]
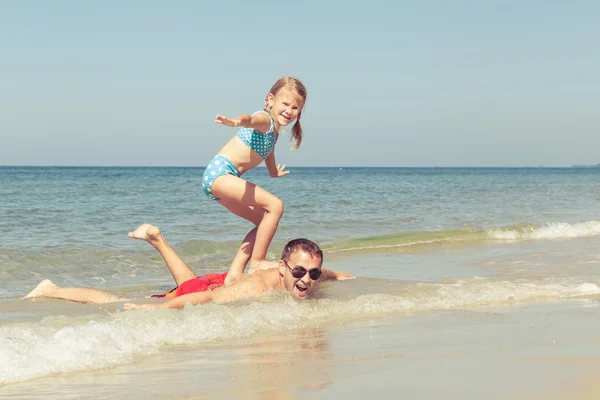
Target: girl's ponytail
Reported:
[(296, 136)]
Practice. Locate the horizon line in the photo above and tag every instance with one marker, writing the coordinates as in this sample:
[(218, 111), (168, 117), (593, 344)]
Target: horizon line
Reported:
[(302, 166)]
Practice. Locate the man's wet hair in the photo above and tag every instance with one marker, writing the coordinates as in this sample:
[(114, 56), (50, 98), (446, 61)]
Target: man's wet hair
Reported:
[(305, 245)]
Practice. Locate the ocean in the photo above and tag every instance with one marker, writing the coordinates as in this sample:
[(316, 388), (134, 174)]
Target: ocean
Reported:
[(471, 283)]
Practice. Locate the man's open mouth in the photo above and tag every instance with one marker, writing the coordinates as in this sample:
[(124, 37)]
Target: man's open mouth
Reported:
[(301, 288)]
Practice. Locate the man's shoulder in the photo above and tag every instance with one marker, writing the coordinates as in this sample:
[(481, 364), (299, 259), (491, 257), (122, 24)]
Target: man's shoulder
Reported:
[(270, 277)]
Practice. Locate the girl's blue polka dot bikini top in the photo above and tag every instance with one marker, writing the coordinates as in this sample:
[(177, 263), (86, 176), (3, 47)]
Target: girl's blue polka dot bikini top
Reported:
[(262, 143)]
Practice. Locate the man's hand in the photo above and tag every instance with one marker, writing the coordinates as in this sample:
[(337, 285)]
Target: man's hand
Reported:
[(130, 306), (329, 275), (343, 276)]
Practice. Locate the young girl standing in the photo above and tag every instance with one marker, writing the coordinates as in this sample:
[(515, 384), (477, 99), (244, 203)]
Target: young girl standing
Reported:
[(253, 144)]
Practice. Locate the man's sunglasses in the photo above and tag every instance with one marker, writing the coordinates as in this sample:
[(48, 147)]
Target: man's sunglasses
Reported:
[(299, 272)]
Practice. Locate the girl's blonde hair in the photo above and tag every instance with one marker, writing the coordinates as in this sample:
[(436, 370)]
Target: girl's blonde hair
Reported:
[(297, 88)]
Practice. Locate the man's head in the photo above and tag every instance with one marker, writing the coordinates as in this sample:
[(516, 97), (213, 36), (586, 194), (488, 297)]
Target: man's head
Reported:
[(300, 267)]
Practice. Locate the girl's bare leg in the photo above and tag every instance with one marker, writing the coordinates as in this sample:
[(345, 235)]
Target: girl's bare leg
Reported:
[(234, 190), (254, 215), (238, 265), (80, 295), (151, 234)]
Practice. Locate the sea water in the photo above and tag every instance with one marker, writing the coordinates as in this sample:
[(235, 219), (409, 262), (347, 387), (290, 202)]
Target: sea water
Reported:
[(420, 241)]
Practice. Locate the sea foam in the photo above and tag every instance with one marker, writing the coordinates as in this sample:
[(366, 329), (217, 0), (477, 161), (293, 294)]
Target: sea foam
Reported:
[(556, 230), (61, 344)]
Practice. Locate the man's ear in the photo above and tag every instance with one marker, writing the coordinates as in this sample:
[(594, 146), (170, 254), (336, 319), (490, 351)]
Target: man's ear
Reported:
[(281, 268)]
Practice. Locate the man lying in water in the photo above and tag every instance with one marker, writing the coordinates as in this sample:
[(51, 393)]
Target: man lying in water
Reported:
[(299, 271)]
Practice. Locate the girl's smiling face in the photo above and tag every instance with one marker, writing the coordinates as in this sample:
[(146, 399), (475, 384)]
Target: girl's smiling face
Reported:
[(285, 106)]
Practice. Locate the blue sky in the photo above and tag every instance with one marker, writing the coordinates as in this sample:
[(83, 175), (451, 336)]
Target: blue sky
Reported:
[(390, 83)]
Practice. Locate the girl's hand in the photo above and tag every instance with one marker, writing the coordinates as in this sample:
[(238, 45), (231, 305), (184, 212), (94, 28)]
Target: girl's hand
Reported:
[(227, 121), (281, 171), (130, 306)]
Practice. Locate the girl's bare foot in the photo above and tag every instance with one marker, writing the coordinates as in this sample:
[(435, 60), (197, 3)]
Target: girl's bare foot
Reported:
[(44, 289), (146, 232)]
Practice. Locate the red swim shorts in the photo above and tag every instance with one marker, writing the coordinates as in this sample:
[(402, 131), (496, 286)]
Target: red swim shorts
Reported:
[(199, 284)]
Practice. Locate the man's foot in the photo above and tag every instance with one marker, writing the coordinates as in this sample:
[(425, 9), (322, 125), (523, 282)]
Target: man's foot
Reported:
[(44, 289), (146, 232)]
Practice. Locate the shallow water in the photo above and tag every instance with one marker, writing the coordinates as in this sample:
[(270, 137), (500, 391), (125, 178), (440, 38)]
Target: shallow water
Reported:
[(527, 351), (449, 261)]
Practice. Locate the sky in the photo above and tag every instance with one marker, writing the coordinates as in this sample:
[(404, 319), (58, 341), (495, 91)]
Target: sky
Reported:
[(390, 83)]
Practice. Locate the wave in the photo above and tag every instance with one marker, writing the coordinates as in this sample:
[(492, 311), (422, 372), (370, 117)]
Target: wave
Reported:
[(212, 255), (59, 344), (468, 236), (557, 230), (408, 240)]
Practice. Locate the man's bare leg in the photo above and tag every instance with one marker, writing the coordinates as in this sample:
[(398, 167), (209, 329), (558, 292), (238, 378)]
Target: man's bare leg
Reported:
[(80, 295), (151, 234)]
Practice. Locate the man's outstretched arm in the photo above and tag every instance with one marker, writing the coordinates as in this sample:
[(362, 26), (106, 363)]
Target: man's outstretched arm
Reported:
[(251, 287), (329, 275)]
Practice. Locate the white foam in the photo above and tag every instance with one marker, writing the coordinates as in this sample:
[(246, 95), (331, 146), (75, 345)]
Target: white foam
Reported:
[(557, 230), (67, 344), (62, 344)]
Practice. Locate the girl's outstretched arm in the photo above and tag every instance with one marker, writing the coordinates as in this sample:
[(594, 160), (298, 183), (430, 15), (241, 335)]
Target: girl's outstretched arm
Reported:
[(259, 121), (275, 170)]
